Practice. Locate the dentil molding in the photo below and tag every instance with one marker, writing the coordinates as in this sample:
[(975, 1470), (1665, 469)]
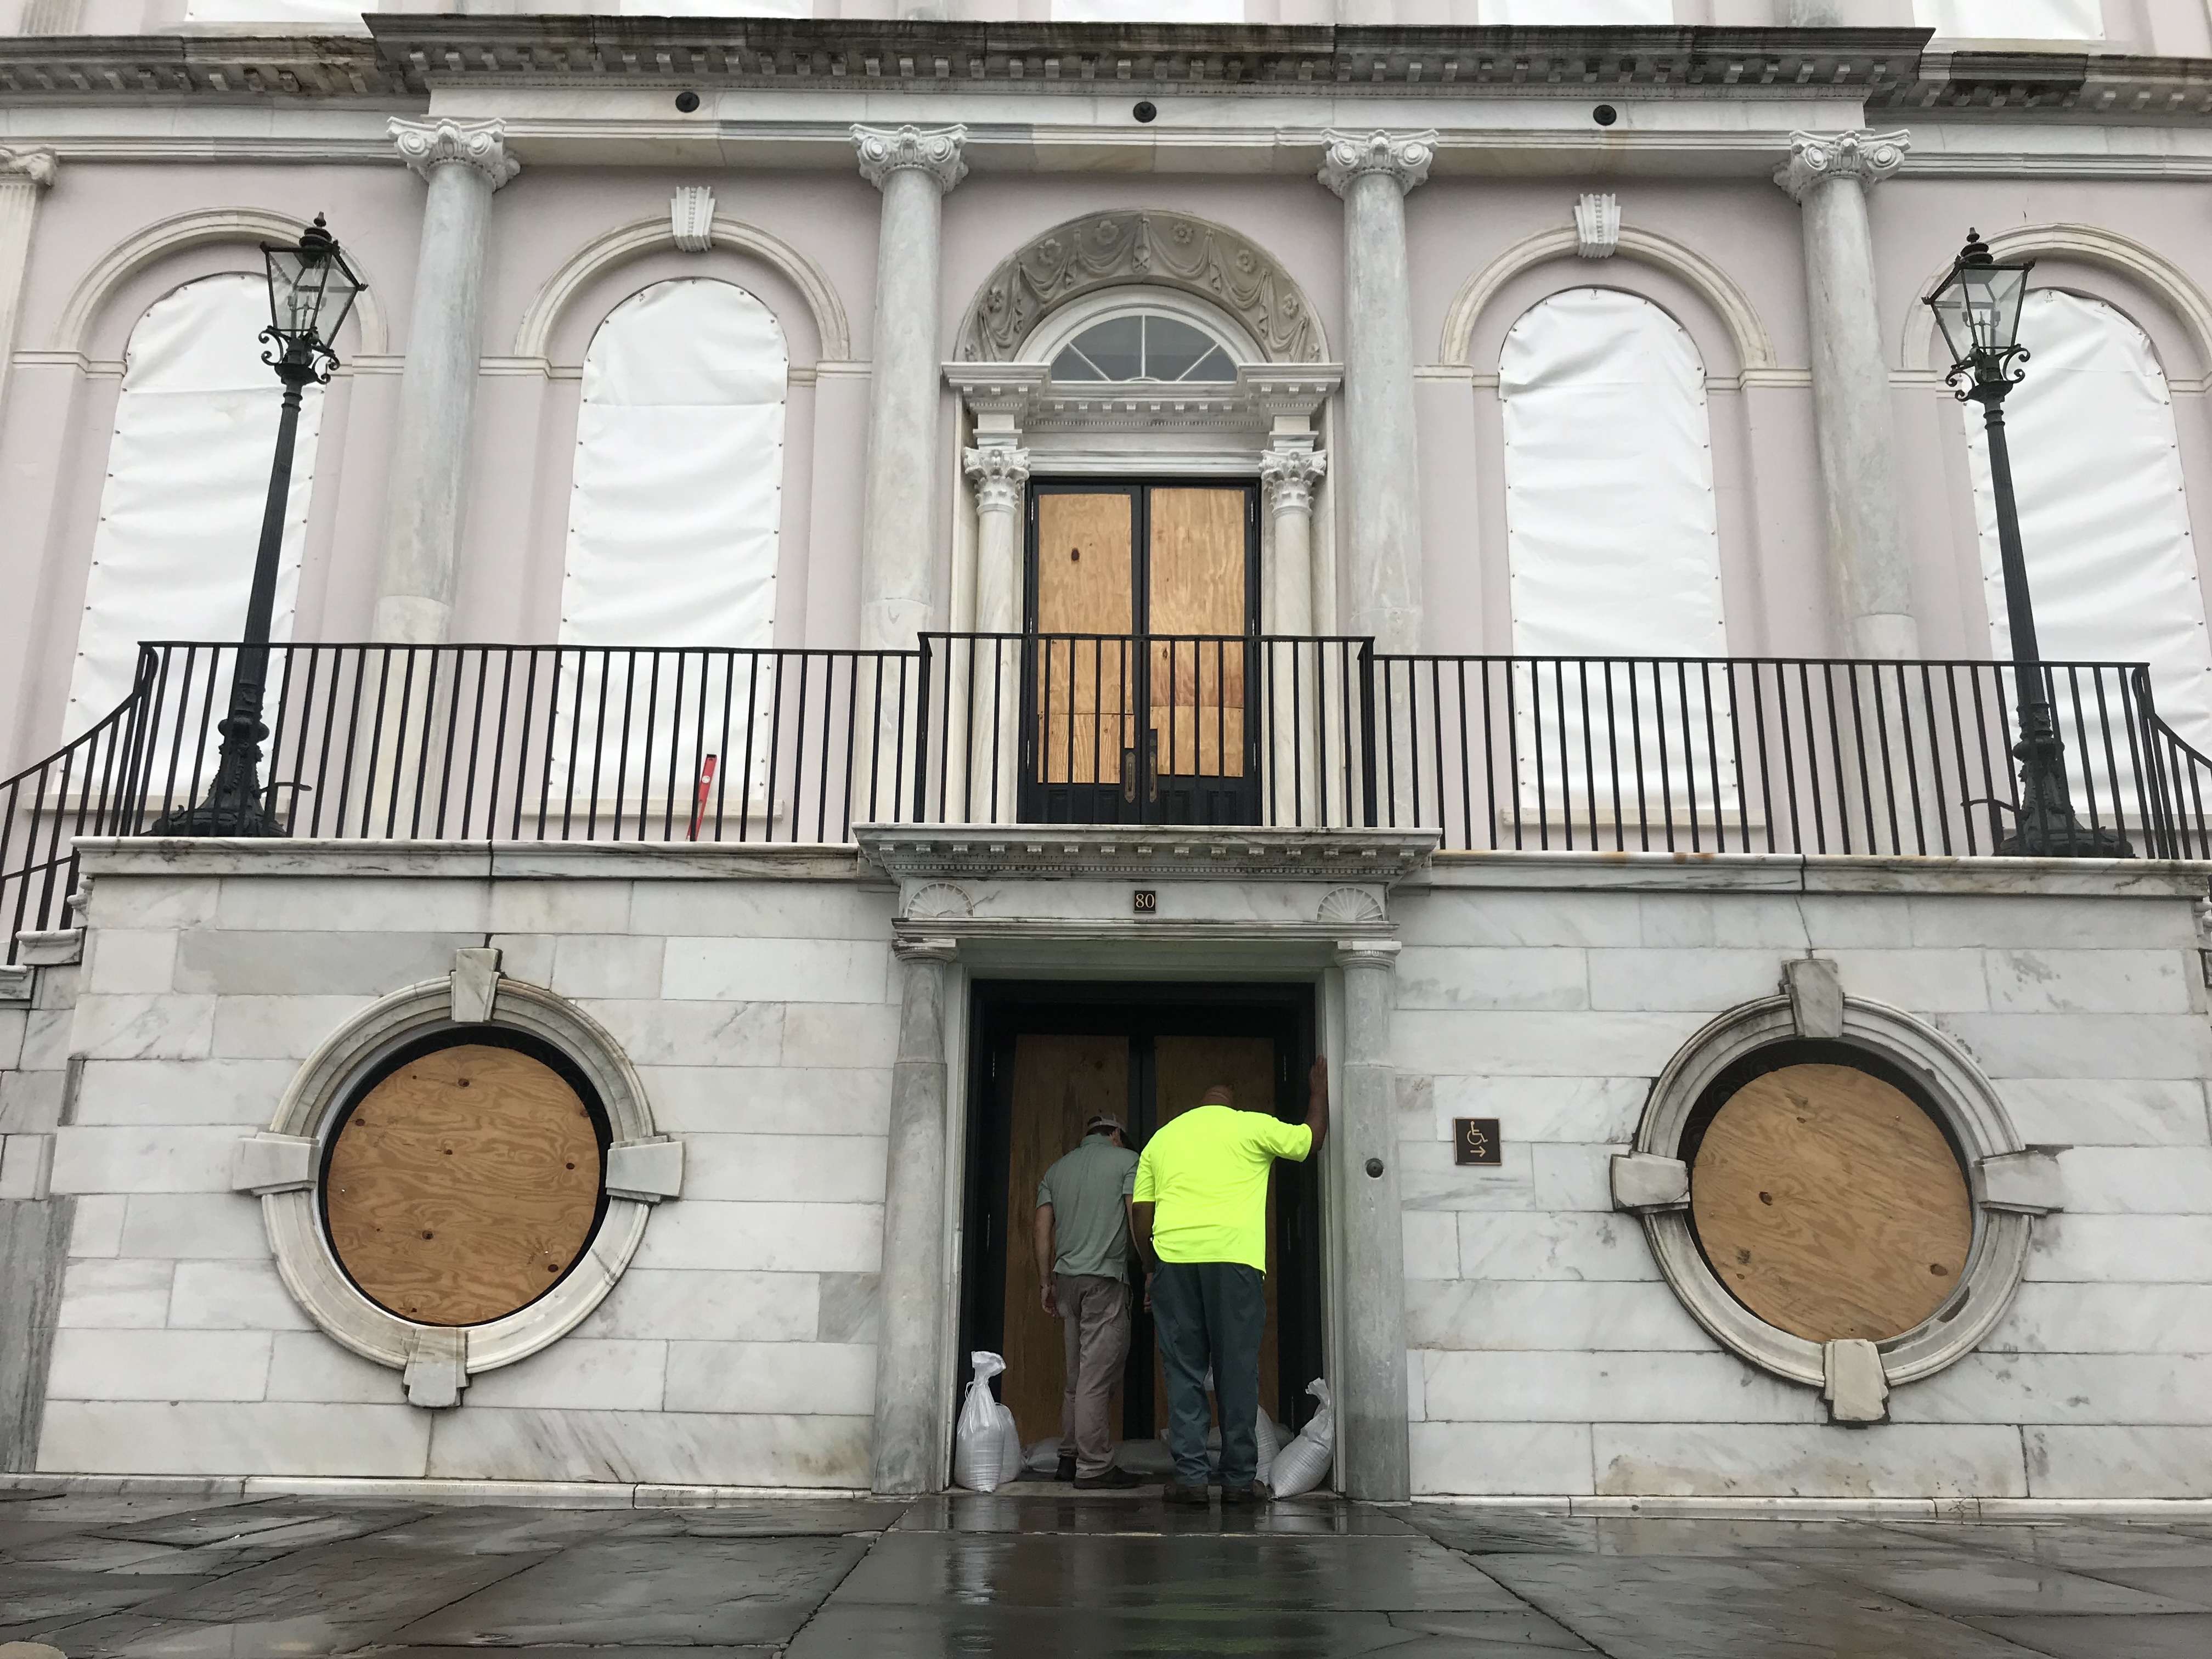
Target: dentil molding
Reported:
[(1402, 157), (425, 145), (1817, 157), (933, 150)]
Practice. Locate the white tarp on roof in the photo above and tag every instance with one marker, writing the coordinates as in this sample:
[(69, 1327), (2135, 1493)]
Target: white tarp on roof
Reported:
[(2011, 19), (2104, 522), (187, 479), (1611, 539)]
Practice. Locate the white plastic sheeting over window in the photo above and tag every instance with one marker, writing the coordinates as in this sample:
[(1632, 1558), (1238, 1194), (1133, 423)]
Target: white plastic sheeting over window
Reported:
[(674, 519), (1613, 549), (2104, 523), (187, 480), (1562, 12), (2011, 19)]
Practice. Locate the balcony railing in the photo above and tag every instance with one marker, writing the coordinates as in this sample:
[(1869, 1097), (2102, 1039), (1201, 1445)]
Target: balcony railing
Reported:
[(564, 743)]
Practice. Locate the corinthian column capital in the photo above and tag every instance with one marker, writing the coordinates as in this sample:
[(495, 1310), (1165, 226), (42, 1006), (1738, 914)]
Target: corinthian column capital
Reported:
[(1402, 157), (998, 471), (426, 145), (1817, 157), (933, 150), (1289, 476), (35, 165)]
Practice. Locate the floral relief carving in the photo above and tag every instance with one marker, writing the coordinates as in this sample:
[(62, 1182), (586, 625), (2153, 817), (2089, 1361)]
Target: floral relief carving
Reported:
[(1107, 249)]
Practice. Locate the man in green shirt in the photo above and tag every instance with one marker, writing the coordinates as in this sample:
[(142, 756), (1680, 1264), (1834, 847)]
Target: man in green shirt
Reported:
[(1081, 1230), (1200, 1209)]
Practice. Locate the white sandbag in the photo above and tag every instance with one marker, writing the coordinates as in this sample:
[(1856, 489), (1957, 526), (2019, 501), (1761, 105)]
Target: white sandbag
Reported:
[(1264, 1431), (1013, 1463), (1041, 1456), (1151, 1458), (1301, 1466), (986, 1431)]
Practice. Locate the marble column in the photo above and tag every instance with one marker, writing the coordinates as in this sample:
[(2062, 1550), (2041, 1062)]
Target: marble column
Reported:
[(992, 694), (997, 472), (1371, 1396), (25, 175), (915, 1280), (1289, 473), (914, 167), (1870, 570), (462, 162), (1380, 474)]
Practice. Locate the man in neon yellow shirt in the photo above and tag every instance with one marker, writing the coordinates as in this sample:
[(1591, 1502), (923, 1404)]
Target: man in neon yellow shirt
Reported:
[(1201, 1207)]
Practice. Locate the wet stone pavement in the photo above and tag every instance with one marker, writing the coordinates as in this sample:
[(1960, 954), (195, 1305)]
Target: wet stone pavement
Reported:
[(1048, 1573)]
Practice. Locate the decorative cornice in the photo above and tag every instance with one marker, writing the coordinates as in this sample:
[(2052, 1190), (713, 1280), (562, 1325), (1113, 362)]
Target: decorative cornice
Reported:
[(1289, 475), (933, 150), (998, 471), (425, 145), (1816, 158), (36, 164), (1161, 851), (1402, 158)]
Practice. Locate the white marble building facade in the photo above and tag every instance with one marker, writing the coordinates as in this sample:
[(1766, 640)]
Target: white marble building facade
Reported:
[(755, 334)]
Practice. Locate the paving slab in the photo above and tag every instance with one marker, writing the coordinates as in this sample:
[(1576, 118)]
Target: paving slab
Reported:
[(2187, 1635), (651, 1591)]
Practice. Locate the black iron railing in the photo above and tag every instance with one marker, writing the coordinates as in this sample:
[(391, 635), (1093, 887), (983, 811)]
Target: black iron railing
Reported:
[(563, 742)]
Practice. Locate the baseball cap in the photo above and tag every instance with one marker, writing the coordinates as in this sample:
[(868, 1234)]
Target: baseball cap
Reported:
[(1102, 1121)]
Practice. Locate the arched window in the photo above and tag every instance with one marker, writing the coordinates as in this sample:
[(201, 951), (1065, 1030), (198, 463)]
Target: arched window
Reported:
[(1612, 543), (677, 505), (2104, 523), (673, 525), (187, 479), (1143, 347)]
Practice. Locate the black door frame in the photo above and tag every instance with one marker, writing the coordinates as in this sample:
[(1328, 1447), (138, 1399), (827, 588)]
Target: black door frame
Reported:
[(1001, 1010), (1148, 798)]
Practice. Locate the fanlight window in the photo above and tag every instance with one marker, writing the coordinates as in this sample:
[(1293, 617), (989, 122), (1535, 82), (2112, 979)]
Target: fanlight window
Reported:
[(1144, 346)]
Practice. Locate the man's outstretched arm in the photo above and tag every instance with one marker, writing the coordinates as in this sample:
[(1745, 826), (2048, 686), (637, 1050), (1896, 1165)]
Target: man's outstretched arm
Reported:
[(1042, 1234), (1318, 1100)]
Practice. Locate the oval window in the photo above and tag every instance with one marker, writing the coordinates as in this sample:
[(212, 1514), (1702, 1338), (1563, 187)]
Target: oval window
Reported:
[(464, 1179), (1831, 1204)]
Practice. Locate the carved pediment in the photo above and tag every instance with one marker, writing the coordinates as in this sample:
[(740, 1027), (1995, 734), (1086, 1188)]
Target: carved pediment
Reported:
[(1140, 246)]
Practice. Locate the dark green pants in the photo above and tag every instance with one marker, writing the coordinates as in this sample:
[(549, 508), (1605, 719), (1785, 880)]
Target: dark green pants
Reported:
[(1211, 1314)]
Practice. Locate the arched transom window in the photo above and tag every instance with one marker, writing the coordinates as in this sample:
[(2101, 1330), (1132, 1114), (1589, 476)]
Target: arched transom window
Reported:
[(1143, 347)]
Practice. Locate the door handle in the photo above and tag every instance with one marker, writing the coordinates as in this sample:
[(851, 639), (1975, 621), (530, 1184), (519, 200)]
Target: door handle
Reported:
[(1152, 767), (1129, 776)]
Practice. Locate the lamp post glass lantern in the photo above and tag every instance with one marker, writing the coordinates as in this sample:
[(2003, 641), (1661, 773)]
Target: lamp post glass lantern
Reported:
[(1977, 308), (312, 289)]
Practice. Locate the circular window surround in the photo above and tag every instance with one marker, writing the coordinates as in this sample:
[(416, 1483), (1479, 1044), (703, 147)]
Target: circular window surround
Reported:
[(1970, 1112), (284, 1166)]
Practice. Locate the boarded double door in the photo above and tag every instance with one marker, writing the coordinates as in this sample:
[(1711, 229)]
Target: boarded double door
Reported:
[(1048, 1070), (1143, 607)]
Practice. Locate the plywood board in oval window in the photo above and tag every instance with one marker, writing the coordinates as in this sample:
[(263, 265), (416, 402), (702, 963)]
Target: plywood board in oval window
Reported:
[(1831, 1205), (463, 1186)]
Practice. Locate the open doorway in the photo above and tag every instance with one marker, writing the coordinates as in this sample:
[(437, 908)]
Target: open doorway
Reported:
[(1048, 1054)]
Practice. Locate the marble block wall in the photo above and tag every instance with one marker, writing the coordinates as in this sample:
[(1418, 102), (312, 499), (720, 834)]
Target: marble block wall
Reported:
[(738, 1348), (1548, 1355)]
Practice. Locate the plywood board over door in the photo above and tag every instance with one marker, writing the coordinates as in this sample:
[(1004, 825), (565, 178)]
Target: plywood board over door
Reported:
[(1085, 583), (1183, 1069), (1059, 1082), (1197, 583)]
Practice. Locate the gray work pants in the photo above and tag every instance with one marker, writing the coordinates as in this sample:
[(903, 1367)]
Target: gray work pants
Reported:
[(1094, 1313)]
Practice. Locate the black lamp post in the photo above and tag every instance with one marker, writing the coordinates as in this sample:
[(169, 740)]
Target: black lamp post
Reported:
[(1978, 307), (311, 290)]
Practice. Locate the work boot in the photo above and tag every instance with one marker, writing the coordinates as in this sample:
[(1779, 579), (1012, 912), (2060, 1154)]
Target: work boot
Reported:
[(1239, 1497), (1065, 1472), (1193, 1498), (1114, 1480)]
